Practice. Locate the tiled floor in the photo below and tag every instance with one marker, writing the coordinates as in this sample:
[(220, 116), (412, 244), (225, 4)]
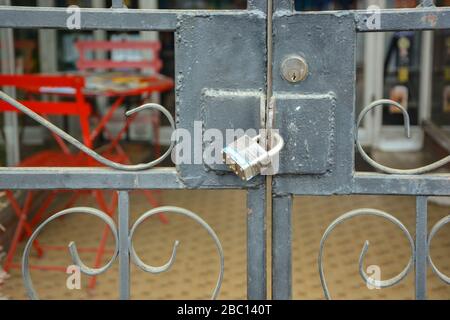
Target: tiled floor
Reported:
[(196, 268), (195, 271)]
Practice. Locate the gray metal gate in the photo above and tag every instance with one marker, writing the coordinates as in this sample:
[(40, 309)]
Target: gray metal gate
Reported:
[(238, 79)]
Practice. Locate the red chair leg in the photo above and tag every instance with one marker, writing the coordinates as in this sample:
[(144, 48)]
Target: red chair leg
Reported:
[(99, 256), (101, 249), (104, 120), (38, 216), (47, 202), (156, 123), (15, 241), (22, 225), (24, 211), (116, 140), (71, 202), (154, 203)]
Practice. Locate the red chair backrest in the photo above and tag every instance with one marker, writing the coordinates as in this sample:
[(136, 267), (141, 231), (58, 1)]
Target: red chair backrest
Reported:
[(70, 86), (153, 63)]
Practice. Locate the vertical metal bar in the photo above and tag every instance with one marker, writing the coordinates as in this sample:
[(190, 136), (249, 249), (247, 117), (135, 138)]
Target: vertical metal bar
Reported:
[(373, 79), (48, 45), (99, 35), (421, 247), (269, 89), (282, 247), (374, 44), (117, 4), (151, 36), (426, 76), (48, 64), (124, 256), (256, 198), (256, 244), (8, 66), (269, 118)]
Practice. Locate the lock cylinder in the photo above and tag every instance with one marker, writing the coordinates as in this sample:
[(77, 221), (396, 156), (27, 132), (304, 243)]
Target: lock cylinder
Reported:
[(247, 158)]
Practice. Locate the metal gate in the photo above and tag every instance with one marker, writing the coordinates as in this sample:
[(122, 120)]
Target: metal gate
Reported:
[(235, 75)]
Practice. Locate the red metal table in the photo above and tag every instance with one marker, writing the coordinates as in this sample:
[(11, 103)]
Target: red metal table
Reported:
[(118, 86)]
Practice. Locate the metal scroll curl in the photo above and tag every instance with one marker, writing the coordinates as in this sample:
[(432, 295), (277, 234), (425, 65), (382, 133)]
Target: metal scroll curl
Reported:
[(133, 255), (436, 165), (72, 247), (150, 269), (61, 133), (440, 224), (365, 277)]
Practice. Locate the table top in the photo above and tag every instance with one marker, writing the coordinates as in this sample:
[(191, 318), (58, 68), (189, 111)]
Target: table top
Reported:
[(115, 84)]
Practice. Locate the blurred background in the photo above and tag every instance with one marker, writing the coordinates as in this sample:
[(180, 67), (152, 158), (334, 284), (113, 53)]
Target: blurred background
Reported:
[(412, 68)]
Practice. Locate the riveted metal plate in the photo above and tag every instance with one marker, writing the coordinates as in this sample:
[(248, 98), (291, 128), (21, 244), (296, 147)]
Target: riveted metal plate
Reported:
[(218, 51), (327, 43), (217, 106), (307, 123)]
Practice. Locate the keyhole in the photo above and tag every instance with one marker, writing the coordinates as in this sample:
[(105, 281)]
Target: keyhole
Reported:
[(294, 69), (294, 76)]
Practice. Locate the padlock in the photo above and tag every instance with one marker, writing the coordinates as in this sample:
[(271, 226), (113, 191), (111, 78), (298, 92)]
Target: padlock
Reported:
[(247, 158)]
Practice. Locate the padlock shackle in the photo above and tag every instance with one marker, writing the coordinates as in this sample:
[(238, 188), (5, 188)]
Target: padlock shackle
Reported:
[(278, 146)]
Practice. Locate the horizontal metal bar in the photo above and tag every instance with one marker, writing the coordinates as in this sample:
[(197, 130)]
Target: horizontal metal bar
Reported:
[(373, 183), (364, 183), (87, 178), (403, 19), (167, 178), (386, 19), (90, 19), (102, 18), (166, 20), (102, 179)]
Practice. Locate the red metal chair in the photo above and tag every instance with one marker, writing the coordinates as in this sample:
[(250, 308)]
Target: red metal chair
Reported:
[(62, 157), (150, 63)]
